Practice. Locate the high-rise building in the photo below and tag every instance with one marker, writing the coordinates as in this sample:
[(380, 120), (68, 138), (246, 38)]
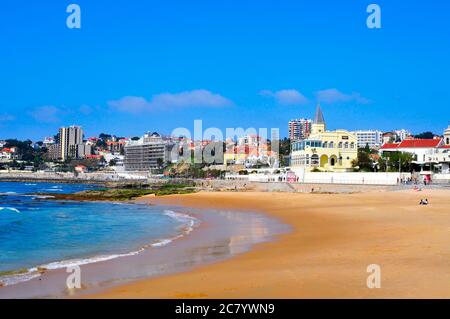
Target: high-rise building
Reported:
[(53, 152), (299, 129), (373, 138), (70, 142)]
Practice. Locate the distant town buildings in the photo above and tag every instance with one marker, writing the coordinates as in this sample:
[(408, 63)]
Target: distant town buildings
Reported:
[(299, 129), (402, 134), (396, 136), (325, 150), (8, 154), (117, 147), (53, 152), (48, 141), (372, 138), (250, 150), (150, 152)]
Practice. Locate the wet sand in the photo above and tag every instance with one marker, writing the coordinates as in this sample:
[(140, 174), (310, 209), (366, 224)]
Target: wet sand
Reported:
[(334, 238)]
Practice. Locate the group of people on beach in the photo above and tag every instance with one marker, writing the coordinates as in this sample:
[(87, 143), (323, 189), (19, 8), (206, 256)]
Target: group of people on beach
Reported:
[(412, 181)]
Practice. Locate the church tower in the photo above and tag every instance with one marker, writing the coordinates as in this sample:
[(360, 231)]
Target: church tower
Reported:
[(447, 136), (318, 125)]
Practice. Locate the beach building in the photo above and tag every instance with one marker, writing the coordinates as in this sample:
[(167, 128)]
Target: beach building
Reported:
[(417, 147), (149, 152), (299, 129), (373, 138), (429, 154), (325, 150)]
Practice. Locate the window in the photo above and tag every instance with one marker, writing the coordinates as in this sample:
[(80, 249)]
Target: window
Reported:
[(340, 145), (331, 145), (315, 160), (325, 144)]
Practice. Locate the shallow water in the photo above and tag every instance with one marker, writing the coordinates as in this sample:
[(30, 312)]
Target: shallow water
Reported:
[(113, 243), (51, 234)]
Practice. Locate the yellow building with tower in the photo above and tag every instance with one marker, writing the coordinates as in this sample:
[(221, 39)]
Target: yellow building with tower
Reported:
[(327, 151)]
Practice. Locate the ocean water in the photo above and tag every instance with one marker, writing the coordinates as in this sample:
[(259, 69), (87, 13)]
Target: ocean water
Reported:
[(38, 232)]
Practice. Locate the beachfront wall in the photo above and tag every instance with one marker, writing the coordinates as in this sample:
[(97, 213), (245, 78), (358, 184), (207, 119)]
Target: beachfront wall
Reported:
[(328, 178), (441, 178), (303, 177), (350, 178), (57, 176)]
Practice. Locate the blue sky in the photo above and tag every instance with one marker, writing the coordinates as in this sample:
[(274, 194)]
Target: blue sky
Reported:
[(139, 66)]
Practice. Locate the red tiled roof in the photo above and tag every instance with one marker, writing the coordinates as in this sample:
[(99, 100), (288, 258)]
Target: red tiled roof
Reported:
[(420, 143), (389, 146), (9, 150), (94, 156)]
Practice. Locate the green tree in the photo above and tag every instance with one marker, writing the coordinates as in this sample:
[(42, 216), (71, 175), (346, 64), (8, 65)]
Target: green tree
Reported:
[(284, 150), (425, 135), (26, 152), (393, 161), (364, 161), (112, 162)]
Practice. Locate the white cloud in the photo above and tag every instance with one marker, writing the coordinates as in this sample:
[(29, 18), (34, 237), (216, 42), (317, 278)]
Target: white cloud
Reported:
[(7, 118), (46, 114), (335, 96), (85, 109), (195, 98), (286, 97)]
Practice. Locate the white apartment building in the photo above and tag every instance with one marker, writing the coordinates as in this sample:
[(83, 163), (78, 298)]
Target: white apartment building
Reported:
[(402, 134), (151, 151), (373, 138)]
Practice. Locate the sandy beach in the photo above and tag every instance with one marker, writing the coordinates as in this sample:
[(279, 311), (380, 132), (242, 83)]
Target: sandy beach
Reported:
[(334, 238)]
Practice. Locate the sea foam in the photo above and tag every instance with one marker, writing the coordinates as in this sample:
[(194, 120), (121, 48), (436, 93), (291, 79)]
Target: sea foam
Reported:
[(188, 225)]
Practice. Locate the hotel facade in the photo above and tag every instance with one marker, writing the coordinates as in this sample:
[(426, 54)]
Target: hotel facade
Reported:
[(373, 138), (149, 152), (327, 151)]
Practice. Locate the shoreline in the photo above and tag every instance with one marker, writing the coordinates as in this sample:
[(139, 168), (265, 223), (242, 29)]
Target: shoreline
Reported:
[(205, 238), (18, 276), (334, 239)]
